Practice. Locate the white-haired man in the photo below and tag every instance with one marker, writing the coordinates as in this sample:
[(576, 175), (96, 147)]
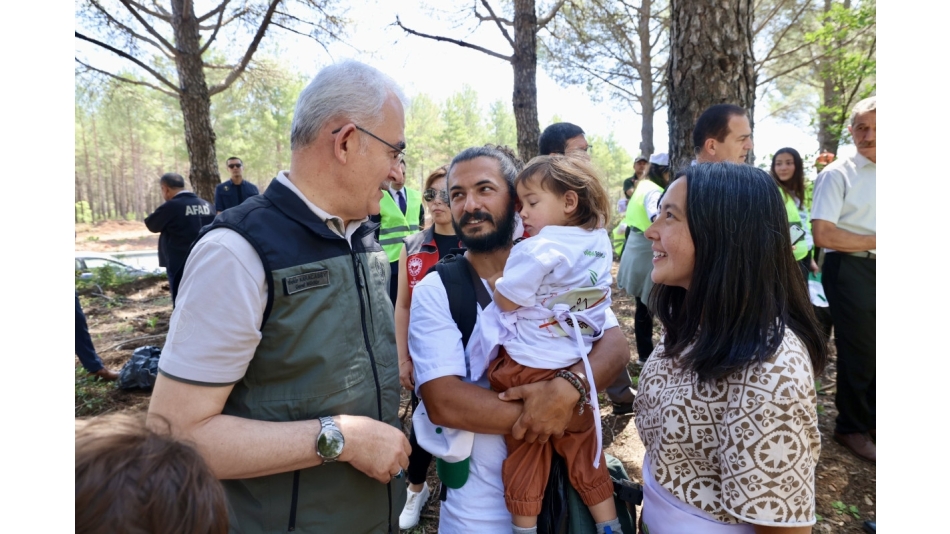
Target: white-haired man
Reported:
[(844, 222), (290, 388)]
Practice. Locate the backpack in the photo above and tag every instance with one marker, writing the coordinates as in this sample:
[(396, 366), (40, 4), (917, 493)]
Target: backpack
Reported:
[(562, 510)]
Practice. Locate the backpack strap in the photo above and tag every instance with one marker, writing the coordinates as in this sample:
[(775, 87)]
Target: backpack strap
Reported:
[(461, 284)]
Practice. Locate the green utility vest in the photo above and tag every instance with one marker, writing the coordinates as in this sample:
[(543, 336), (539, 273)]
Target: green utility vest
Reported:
[(395, 226), (795, 219), (636, 214), (327, 348)]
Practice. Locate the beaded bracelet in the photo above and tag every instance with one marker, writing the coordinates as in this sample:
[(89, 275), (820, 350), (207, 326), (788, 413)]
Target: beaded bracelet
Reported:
[(578, 385)]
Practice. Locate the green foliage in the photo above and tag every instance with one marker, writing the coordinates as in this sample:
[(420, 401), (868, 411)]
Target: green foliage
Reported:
[(83, 213), (151, 322), (424, 152), (252, 120), (105, 277), (819, 518), (92, 238), (92, 394), (850, 63), (842, 508), (501, 124), (462, 117), (614, 162)]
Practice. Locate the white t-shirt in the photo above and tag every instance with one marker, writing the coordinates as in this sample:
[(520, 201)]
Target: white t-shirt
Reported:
[(215, 326), (435, 343)]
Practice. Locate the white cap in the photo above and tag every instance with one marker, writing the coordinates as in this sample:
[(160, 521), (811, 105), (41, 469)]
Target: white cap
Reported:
[(447, 443), (660, 159)]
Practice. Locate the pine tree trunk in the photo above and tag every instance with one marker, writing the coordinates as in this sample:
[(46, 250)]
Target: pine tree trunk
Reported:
[(711, 63), (195, 102), (647, 104), (524, 62), (100, 178)]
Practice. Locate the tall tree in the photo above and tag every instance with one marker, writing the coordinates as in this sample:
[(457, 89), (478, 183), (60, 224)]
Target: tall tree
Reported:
[(615, 47), (846, 36), (180, 36), (523, 59), (711, 62), (823, 66)]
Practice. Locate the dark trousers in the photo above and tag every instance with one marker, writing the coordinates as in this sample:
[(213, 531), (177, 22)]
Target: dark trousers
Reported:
[(172, 285), (419, 458), (84, 349), (393, 281), (643, 330), (850, 285)]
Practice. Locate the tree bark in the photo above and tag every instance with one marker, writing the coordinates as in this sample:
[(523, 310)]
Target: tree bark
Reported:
[(711, 62), (647, 102), (524, 62), (195, 102)]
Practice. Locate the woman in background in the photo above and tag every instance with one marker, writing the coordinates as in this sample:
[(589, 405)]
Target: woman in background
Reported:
[(789, 173), (422, 251), (633, 275)]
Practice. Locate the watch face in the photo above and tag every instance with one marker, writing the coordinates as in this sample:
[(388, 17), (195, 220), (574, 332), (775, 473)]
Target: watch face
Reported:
[(330, 444)]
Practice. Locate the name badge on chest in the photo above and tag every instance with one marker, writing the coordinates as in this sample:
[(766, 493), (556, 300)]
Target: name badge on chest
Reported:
[(305, 281)]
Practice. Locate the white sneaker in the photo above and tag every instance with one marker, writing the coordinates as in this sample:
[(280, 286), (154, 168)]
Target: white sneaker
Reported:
[(414, 503)]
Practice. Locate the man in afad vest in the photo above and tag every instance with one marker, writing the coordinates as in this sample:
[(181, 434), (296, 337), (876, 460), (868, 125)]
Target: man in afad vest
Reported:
[(290, 389), (400, 215), (179, 220)]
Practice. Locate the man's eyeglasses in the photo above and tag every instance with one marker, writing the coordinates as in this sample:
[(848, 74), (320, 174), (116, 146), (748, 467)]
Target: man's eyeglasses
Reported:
[(431, 194), (234, 165), (398, 153)]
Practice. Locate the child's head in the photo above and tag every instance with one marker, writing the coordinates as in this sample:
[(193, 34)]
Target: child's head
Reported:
[(131, 479), (561, 191)]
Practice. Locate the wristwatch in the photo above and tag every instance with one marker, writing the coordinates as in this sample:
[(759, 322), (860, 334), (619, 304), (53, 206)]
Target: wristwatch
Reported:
[(329, 441)]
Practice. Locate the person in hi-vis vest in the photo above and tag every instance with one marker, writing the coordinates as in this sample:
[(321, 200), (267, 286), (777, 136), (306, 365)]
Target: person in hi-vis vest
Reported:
[(401, 214)]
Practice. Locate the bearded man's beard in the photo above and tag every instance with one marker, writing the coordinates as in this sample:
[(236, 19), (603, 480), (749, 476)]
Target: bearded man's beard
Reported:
[(500, 238)]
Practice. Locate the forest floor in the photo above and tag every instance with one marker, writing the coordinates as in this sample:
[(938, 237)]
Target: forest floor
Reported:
[(136, 314)]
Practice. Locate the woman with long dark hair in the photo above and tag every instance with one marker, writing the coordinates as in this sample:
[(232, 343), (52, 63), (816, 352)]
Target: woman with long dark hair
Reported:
[(633, 275), (789, 174), (726, 405), (422, 251)]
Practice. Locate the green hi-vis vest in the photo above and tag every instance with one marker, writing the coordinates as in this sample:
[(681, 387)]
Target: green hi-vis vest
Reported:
[(394, 226), (618, 239), (636, 214), (795, 219)]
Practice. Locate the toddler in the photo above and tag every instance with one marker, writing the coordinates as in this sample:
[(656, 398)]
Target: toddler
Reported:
[(549, 307)]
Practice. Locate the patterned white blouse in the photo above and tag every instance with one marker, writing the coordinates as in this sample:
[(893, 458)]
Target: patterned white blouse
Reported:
[(743, 448)]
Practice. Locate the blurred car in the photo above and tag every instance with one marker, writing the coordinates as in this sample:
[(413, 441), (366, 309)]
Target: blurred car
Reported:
[(86, 262)]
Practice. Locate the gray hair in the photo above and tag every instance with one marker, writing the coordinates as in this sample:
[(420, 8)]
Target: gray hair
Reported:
[(868, 104), (349, 89), (173, 180)]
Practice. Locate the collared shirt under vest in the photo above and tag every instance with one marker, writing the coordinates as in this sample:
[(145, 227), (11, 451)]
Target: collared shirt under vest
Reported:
[(396, 225)]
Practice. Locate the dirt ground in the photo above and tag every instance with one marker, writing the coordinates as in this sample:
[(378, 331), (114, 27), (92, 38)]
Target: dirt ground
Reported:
[(137, 314)]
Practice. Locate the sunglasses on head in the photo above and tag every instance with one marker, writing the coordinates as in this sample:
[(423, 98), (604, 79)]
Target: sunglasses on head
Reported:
[(431, 194), (234, 165)]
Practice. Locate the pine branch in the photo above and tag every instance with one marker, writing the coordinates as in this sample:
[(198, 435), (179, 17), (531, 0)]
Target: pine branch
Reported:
[(454, 41), (251, 48), (148, 27), (126, 80), (497, 21), (120, 53), (217, 27), (544, 20)]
